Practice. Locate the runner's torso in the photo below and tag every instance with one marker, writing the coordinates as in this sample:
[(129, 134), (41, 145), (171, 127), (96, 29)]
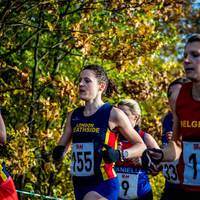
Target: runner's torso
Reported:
[(188, 112), (134, 181), (88, 135)]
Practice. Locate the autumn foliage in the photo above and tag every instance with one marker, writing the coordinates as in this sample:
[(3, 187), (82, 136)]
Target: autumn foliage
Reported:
[(44, 44)]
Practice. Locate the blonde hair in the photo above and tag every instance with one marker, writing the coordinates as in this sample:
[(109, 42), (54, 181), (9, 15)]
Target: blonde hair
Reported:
[(134, 107)]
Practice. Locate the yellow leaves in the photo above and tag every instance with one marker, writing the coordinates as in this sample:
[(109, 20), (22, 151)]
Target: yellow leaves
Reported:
[(25, 154), (138, 89), (29, 29), (22, 154), (145, 27), (49, 134), (50, 26), (83, 42), (98, 32), (31, 177), (76, 30), (157, 184), (134, 1), (29, 187), (47, 167), (148, 7), (119, 32), (142, 30), (65, 87), (50, 109), (86, 46)]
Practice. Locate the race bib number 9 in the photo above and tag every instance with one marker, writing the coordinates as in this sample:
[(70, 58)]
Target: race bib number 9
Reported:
[(170, 172), (82, 159), (128, 185), (191, 157)]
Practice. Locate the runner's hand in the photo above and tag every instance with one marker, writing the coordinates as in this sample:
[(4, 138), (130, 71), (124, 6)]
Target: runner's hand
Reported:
[(151, 160), (110, 155), (58, 153)]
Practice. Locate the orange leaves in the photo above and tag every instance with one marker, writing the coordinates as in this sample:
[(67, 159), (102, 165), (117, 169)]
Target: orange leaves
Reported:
[(65, 87), (24, 76), (133, 39), (82, 39), (137, 89), (49, 109)]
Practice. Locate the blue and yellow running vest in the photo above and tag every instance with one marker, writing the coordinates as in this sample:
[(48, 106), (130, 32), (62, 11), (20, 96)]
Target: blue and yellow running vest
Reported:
[(88, 136)]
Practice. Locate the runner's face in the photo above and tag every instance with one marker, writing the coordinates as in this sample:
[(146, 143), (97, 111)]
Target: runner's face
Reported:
[(132, 117), (88, 85), (192, 61)]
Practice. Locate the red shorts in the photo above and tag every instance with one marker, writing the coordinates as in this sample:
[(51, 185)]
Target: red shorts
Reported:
[(7, 190)]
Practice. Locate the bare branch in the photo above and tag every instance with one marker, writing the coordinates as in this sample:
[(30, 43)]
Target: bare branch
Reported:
[(47, 29), (4, 13), (31, 127), (21, 46)]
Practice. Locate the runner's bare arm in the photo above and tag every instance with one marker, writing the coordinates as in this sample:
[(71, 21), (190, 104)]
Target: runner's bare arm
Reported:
[(2, 131), (150, 141), (66, 138), (173, 150), (118, 120)]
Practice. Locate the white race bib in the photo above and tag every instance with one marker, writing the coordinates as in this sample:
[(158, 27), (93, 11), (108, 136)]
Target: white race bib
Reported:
[(170, 171), (191, 157), (128, 185), (82, 159)]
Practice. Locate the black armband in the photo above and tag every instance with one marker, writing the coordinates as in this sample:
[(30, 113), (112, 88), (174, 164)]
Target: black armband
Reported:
[(110, 155), (151, 158), (58, 153)]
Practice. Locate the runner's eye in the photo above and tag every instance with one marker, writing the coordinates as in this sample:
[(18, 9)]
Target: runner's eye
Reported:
[(195, 54), (87, 80)]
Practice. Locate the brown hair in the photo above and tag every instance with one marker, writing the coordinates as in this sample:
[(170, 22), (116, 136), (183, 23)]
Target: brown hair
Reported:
[(101, 75), (193, 38)]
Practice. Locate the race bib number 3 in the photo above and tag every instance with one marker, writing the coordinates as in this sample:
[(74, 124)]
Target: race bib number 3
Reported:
[(191, 157), (128, 185), (170, 172), (82, 159)]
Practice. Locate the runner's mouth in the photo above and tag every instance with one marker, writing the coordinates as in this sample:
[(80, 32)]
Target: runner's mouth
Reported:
[(189, 69), (81, 91)]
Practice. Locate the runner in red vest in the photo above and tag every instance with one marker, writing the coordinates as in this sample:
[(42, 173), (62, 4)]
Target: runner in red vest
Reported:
[(186, 131), (7, 187), (134, 181)]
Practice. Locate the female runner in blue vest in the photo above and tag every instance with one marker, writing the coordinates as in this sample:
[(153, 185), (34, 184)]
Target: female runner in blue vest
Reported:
[(93, 130), (134, 181)]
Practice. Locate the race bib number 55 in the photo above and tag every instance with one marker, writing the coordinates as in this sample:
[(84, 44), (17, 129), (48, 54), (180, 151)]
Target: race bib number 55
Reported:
[(191, 157), (82, 159)]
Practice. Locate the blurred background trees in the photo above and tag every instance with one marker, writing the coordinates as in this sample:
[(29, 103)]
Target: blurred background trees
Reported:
[(44, 44)]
